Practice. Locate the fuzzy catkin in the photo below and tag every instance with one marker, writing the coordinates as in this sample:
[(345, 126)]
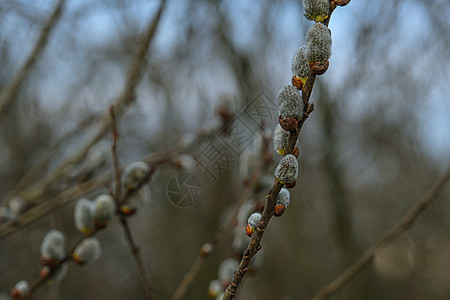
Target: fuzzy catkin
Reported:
[(316, 10), (287, 169), (299, 64), (135, 174), (318, 43), (104, 209), (290, 104), (83, 216), (284, 198), (280, 139), (52, 246), (254, 220), (87, 251)]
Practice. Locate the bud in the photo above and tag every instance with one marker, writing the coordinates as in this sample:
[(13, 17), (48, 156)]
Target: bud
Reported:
[(226, 270), (253, 222), (58, 273), (214, 289), (249, 165), (316, 10), (136, 201), (52, 248), (87, 251), (280, 139), (184, 162), (83, 216), (227, 107), (104, 208), (16, 206), (318, 43), (20, 289), (299, 67), (290, 106), (287, 170), (135, 174), (220, 296), (282, 202), (206, 249)]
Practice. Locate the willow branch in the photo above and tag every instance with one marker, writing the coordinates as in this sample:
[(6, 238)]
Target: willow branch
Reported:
[(221, 234), (121, 103), (117, 195), (255, 242), (137, 257), (407, 222), (9, 92)]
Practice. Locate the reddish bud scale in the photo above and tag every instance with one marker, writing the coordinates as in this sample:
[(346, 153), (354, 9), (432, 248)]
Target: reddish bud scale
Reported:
[(289, 124), (279, 210), (249, 230), (297, 82)]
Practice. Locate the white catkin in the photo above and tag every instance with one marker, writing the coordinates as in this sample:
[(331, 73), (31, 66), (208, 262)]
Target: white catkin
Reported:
[(290, 103), (226, 270), (284, 197), (316, 10), (139, 199), (83, 216), (280, 139), (299, 64), (104, 209), (89, 250), (254, 220), (135, 174), (318, 43), (287, 169), (52, 245)]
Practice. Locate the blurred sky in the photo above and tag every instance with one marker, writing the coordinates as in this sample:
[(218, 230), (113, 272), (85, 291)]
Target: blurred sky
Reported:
[(97, 26)]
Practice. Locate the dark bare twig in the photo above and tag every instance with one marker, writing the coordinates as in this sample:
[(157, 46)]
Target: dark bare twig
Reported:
[(121, 103), (9, 92), (220, 235), (137, 257), (407, 222), (117, 195), (115, 134)]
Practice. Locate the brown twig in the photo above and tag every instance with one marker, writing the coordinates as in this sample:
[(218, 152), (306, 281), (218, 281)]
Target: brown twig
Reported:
[(59, 201), (42, 164), (10, 90), (115, 134), (255, 242), (121, 103), (407, 222), (137, 257), (117, 195), (216, 239)]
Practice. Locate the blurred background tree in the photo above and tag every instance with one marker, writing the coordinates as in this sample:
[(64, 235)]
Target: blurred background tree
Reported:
[(377, 140)]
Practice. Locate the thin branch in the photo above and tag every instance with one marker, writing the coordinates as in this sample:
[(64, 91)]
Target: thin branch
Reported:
[(117, 195), (255, 242), (115, 134), (407, 222), (51, 205), (10, 90), (121, 103), (137, 257), (42, 164), (221, 234)]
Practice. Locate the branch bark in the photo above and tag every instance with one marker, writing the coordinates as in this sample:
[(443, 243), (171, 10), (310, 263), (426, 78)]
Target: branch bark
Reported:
[(121, 103), (10, 90)]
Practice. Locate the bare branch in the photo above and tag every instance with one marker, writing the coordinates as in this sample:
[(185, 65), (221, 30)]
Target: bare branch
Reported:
[(10, 90), (407, 222), (121, 103)]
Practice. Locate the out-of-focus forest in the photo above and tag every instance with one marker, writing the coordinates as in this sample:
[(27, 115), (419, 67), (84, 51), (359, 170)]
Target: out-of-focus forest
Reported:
[(375, 143)]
